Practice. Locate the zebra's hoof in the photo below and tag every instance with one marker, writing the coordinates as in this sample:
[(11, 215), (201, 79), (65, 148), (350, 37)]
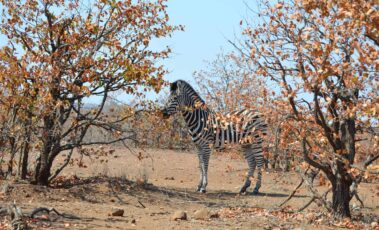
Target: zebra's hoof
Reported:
[(255, 192), (202, 191), (242, 192)]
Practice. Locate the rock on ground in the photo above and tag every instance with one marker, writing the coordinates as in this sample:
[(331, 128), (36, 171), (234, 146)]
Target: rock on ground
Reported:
[(205, 214), (179, 215), (117, 212)]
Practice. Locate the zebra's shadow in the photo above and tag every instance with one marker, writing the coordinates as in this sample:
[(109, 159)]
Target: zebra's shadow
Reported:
[(212, 194), (228, 194)]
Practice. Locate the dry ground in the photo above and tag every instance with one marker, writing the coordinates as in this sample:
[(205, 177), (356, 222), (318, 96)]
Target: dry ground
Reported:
[(154, 186)]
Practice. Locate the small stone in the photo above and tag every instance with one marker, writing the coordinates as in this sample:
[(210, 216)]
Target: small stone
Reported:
[(133, 221), (169, 178), (179, 215), (214, 215), (117, 212), (374, 224), (202, 214)]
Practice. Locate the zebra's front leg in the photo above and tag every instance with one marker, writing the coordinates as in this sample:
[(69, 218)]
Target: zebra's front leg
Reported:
[(204, 155), (200, 185)]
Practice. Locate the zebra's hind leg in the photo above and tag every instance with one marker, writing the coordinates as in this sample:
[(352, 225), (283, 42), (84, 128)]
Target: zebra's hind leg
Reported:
[(258, 156), (259, 181), (251, 163)]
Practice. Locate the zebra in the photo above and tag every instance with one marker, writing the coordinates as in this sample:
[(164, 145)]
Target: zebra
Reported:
[(209, 130)]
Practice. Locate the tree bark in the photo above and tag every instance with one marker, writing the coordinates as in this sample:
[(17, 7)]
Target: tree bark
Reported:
[(342, 182), (50, 150), (341, 197), (43, 168), (13, 147), (25, 157), (348, 138), (43, 174)]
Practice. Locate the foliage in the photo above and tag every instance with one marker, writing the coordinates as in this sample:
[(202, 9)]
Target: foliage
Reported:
[(170, 133), (326, 67), (60, 52)]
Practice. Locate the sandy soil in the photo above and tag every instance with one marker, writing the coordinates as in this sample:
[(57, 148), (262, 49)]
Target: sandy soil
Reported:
[(152, 187)]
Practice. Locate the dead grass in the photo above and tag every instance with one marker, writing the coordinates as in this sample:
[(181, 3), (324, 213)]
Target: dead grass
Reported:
[(152, 188)]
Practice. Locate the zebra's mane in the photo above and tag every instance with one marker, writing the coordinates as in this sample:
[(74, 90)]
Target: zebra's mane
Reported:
[(186, 86)]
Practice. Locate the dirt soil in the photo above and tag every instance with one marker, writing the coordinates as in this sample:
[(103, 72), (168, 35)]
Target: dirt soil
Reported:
[(151, 185)]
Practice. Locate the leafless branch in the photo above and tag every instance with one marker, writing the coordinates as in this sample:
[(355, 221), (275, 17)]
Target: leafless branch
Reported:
[(371, 160), (294, 191)]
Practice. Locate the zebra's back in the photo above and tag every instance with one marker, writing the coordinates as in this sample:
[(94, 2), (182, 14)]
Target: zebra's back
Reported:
[(238, 127)]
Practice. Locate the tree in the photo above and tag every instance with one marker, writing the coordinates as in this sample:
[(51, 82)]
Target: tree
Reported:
[(226, 84), (59, 53), (324, 59)]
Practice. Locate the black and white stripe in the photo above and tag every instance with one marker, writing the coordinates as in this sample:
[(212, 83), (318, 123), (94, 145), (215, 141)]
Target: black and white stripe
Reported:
[(211, 130)]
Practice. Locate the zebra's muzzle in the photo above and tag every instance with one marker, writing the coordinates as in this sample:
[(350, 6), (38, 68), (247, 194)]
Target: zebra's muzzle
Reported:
[(165, 114)]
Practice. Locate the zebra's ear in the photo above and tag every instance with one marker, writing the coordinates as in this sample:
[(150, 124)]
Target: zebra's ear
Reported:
[(173, 86)]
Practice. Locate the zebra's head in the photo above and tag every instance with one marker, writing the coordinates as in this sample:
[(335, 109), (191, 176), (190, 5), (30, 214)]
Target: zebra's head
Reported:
[(182, 97), (172, 104)]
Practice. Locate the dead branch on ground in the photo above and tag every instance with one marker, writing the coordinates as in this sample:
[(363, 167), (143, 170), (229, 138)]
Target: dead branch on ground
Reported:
[(315, 195), (51, 210), (294, 191), (17, 220)]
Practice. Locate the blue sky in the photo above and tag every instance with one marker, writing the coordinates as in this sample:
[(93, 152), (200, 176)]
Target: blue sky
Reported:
[(208, 25)]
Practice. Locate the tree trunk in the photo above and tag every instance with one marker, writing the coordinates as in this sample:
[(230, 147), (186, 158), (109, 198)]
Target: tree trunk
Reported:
[(341, 197), (286, 161), (43, 174), (342, 181), (13, 143), (43, 167), (25, 156), (348, 138), (50, 150), (25, 150)]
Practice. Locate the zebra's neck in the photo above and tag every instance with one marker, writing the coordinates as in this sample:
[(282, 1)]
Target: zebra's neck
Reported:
[(196, 120)]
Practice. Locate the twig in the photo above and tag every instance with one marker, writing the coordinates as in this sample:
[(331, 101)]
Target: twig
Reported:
[(294, 191), (363, 169), (141, 204), (49, 210), (315, 194), (372, 159), (359, 199), (307, 204), (314, 198), (65, 163), (354, 191)]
